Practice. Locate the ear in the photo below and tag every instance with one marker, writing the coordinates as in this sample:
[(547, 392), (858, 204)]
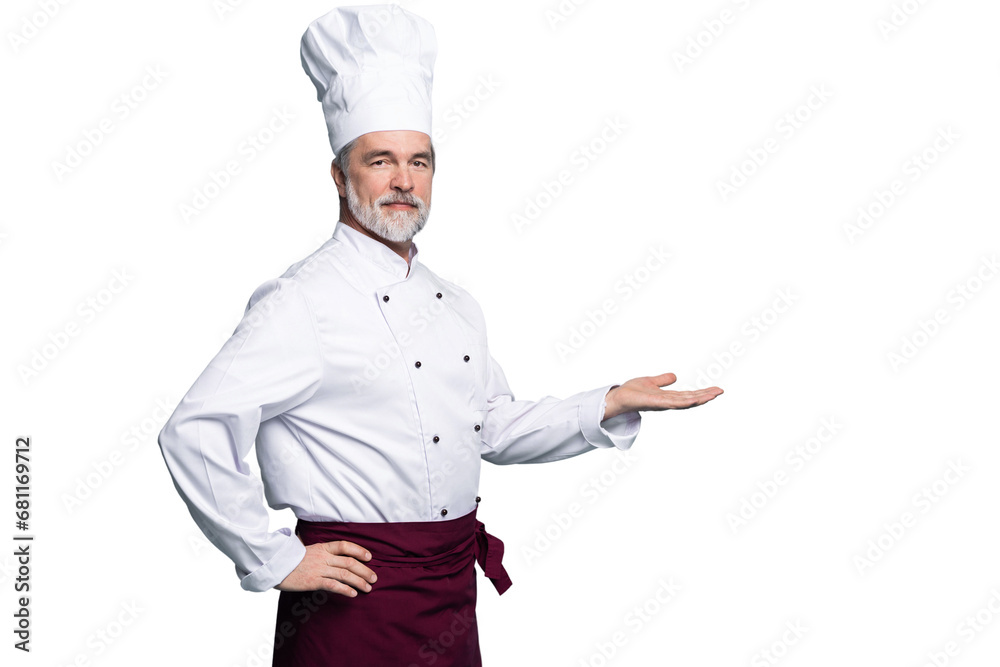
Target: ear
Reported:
[(339, 178)]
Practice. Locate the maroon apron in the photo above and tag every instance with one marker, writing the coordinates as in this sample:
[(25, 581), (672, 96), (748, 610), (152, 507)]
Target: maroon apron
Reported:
[(420, 612)]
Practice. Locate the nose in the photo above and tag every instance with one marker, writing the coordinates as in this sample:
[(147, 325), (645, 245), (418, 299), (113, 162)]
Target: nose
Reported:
[(402, 180)]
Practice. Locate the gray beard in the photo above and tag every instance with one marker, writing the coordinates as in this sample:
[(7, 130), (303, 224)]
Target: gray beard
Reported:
[(397, 226)]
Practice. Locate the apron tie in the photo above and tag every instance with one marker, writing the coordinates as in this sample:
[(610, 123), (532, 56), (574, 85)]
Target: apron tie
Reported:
[(489, 555)]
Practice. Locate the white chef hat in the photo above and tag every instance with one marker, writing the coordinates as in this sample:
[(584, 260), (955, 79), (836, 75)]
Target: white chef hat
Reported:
[(373, 67)]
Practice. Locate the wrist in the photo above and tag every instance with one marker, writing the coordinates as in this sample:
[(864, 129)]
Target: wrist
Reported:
[(610, 404)]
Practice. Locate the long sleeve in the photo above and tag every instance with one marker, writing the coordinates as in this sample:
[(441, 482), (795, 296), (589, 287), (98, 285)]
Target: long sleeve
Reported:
[(549, 429), (271, 364)]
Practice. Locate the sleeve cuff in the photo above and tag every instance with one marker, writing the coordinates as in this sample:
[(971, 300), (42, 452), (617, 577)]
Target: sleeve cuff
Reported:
[(619, 431), (274, 571)]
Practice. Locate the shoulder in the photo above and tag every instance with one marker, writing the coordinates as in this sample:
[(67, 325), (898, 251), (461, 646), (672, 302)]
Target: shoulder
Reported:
[(315, 267), (304, 278), (291, 290), (278, 304)]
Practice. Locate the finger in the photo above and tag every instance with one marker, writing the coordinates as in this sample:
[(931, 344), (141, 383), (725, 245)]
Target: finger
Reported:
[(334, 586), (688, 399), (710, 391), (707, 394), (345, 575), (698, 400), (355, 566), (664, 379), (345, 548), (694, 393), (355, 553)]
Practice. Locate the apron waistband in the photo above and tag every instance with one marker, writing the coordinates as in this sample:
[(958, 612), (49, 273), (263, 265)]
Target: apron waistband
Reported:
[(418, 543)]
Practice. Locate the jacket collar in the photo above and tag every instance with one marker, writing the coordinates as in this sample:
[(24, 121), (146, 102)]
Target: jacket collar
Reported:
[(377, 252)]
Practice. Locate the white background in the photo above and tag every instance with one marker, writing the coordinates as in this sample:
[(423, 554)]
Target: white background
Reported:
[(119, 540)]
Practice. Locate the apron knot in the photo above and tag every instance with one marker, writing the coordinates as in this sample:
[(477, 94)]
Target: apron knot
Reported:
[(489, 555)]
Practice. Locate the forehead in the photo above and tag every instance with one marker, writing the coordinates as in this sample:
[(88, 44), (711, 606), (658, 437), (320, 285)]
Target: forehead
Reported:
[(400, 142)]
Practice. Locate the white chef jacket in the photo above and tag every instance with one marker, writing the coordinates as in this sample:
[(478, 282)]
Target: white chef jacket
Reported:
[(371, 394)]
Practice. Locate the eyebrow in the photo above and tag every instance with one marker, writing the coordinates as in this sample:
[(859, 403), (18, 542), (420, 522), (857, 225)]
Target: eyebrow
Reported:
[(423, 155)]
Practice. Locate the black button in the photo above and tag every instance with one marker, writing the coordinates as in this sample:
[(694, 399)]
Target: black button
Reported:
[(385, 298), (417, 364), (436, 438), (478, 499), (439, 295), (466, 357), (477, 427), (443, 512)]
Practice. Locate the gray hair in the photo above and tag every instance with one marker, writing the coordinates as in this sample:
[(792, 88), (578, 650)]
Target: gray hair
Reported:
[(343, 158)]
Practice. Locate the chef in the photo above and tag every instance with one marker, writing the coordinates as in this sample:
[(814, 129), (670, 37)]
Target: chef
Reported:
[(366, 382)]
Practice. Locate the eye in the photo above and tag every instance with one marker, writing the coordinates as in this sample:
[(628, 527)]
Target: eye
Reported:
[(378, 162)]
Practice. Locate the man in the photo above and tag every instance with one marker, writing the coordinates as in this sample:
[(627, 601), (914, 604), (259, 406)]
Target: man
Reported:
[(367, 383)]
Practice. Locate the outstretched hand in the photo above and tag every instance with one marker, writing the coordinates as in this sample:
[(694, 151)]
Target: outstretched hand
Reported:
[(645, 394)]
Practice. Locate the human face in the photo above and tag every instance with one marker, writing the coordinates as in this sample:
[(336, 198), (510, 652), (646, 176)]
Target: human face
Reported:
[(388, 184)]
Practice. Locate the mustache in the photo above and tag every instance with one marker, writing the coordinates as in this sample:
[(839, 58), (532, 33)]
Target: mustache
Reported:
[(400, 198)]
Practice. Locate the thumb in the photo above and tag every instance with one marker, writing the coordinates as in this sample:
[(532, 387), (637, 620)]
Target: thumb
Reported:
[(665, 379)]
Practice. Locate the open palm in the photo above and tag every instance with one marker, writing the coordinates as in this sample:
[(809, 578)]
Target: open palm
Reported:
[(644, 393)]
